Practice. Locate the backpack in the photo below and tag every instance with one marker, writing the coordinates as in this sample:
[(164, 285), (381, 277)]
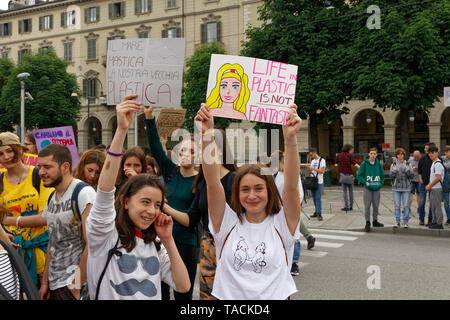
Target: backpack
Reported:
[(75, 207), (36, 180), (445, 183)]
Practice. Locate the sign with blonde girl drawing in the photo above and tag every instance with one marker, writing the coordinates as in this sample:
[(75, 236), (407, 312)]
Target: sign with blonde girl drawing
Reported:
[(250, 88)]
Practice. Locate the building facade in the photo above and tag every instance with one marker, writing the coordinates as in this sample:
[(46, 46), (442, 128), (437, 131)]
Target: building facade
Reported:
[(79, 30)]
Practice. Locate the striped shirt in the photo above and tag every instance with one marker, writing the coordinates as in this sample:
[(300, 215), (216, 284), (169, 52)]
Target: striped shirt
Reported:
[(8, 276)]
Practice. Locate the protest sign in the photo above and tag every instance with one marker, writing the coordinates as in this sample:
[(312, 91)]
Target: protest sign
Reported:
[(447, 96), (169, 120), (28, 159), (250, 88), (59, 135), (150, 68)]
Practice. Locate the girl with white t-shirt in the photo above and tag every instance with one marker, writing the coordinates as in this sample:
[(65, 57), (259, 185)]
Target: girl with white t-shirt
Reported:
[(132, 222), (255, 235)]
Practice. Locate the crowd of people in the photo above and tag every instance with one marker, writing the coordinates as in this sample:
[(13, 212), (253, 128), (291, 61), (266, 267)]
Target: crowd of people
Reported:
[(123, 224)]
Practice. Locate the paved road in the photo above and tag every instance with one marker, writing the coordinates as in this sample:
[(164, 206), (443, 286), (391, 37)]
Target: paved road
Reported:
[(339, 267)]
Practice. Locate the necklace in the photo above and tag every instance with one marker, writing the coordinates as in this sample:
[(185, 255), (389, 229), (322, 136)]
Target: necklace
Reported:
[(59, 196), (19, 178)]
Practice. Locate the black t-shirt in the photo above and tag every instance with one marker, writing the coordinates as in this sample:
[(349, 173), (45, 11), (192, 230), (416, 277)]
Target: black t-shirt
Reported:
[(199, 209), (424, 168)]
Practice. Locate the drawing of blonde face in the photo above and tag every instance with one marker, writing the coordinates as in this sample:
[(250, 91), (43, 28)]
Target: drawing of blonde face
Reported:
[(231, 87)]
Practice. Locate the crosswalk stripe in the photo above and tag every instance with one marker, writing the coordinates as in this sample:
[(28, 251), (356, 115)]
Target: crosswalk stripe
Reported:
[(315, 254), (350, 233), (323, 244), (333, 237)]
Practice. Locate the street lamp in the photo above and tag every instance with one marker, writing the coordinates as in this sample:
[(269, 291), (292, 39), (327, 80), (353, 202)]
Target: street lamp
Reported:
[(102, 98), (22, 76)]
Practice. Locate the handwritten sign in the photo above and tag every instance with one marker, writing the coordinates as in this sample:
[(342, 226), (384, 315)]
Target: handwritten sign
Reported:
[(28, 159), (150, 68), (170, 120), (447, 96), (250, 88), (59, 135)]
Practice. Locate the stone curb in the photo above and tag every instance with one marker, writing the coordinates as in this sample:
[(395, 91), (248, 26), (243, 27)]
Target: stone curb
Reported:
[(410, 231)]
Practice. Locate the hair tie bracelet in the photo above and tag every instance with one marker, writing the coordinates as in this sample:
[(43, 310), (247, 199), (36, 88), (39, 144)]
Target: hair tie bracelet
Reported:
[(113, 154)]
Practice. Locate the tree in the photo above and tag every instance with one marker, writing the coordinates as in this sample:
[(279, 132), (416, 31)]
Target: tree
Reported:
[(51, 87), (316, 39), (196, 83), (6, 67), (404, 64)]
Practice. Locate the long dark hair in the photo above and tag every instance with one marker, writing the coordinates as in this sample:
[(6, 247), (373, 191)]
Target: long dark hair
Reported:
[(227, 159), (124, 225), (132, 152)]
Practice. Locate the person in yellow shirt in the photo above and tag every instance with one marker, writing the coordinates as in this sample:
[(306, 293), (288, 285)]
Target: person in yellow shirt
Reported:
[(24, 195)]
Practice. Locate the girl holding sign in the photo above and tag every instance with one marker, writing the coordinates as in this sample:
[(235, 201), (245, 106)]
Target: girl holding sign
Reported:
[(230, 95), (256, 232)]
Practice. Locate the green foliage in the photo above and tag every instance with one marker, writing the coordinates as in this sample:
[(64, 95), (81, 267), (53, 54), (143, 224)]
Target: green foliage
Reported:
[(196, 83), (51, 87)]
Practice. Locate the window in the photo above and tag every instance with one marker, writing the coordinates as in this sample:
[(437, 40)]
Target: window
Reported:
[(92, 14), (142, 6), (211, 32), (5, 54), (68, 51), (171, 4), (41, 49), (46, 22), (5, 29), (25, 26), (68, 18), (92, 49), (21, 53), (143, 34), (91, 88), (117, 10)]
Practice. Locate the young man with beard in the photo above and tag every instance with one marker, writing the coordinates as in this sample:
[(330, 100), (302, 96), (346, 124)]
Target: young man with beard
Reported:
[(66, 252)]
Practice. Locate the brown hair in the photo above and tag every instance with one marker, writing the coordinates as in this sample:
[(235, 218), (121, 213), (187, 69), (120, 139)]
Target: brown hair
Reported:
[(373, 149), (89, 156), (347, 147), (152, 163), (18, 152), (124, 225), (59, 153), (447, 148), (398, 151), (132, 152), (274, 199)]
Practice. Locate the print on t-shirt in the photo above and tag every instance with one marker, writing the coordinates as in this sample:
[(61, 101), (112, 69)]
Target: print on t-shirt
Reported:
[(241, 256)]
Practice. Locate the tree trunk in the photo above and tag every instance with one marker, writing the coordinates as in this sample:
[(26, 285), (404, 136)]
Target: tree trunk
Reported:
[(404, 131), (313, 138)]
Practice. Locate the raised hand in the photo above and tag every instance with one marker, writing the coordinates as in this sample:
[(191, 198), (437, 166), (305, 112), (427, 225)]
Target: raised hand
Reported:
[(204, 121), (148, 112), (125, 111), (293, 124)]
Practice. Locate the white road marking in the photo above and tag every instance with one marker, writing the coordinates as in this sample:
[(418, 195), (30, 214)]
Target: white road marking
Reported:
[(350, 233), (333, 237), (323, 244)]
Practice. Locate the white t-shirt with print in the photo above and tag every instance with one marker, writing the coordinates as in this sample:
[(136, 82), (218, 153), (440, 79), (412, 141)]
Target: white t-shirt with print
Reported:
[(315, 164), (134, 275), (252, 263), (65, 244)]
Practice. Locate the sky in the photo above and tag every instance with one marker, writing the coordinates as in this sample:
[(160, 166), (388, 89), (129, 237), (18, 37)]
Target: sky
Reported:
[(4, 4)]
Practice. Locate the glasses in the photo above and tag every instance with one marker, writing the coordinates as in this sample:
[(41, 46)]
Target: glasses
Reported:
[(128, 263)]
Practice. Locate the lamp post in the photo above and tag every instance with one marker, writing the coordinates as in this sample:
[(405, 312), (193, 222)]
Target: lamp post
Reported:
[(22, 76), (102, 98)]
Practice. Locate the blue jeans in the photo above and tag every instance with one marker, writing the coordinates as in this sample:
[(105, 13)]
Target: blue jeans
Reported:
[(446, 196), (423, 200), (297, 249), (399, 198), (317, 197)]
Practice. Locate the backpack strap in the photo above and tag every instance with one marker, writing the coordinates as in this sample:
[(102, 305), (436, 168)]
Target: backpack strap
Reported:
[(1, 182), (111, 252), (76, 209), (36, 179), (282, 242), (26, 282)]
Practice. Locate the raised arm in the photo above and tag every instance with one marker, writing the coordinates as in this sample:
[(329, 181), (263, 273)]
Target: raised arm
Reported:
[(125, 113), (211, 170), (290, 194)]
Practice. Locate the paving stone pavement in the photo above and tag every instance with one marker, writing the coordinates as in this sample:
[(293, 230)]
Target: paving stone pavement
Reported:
[(335, 218)]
